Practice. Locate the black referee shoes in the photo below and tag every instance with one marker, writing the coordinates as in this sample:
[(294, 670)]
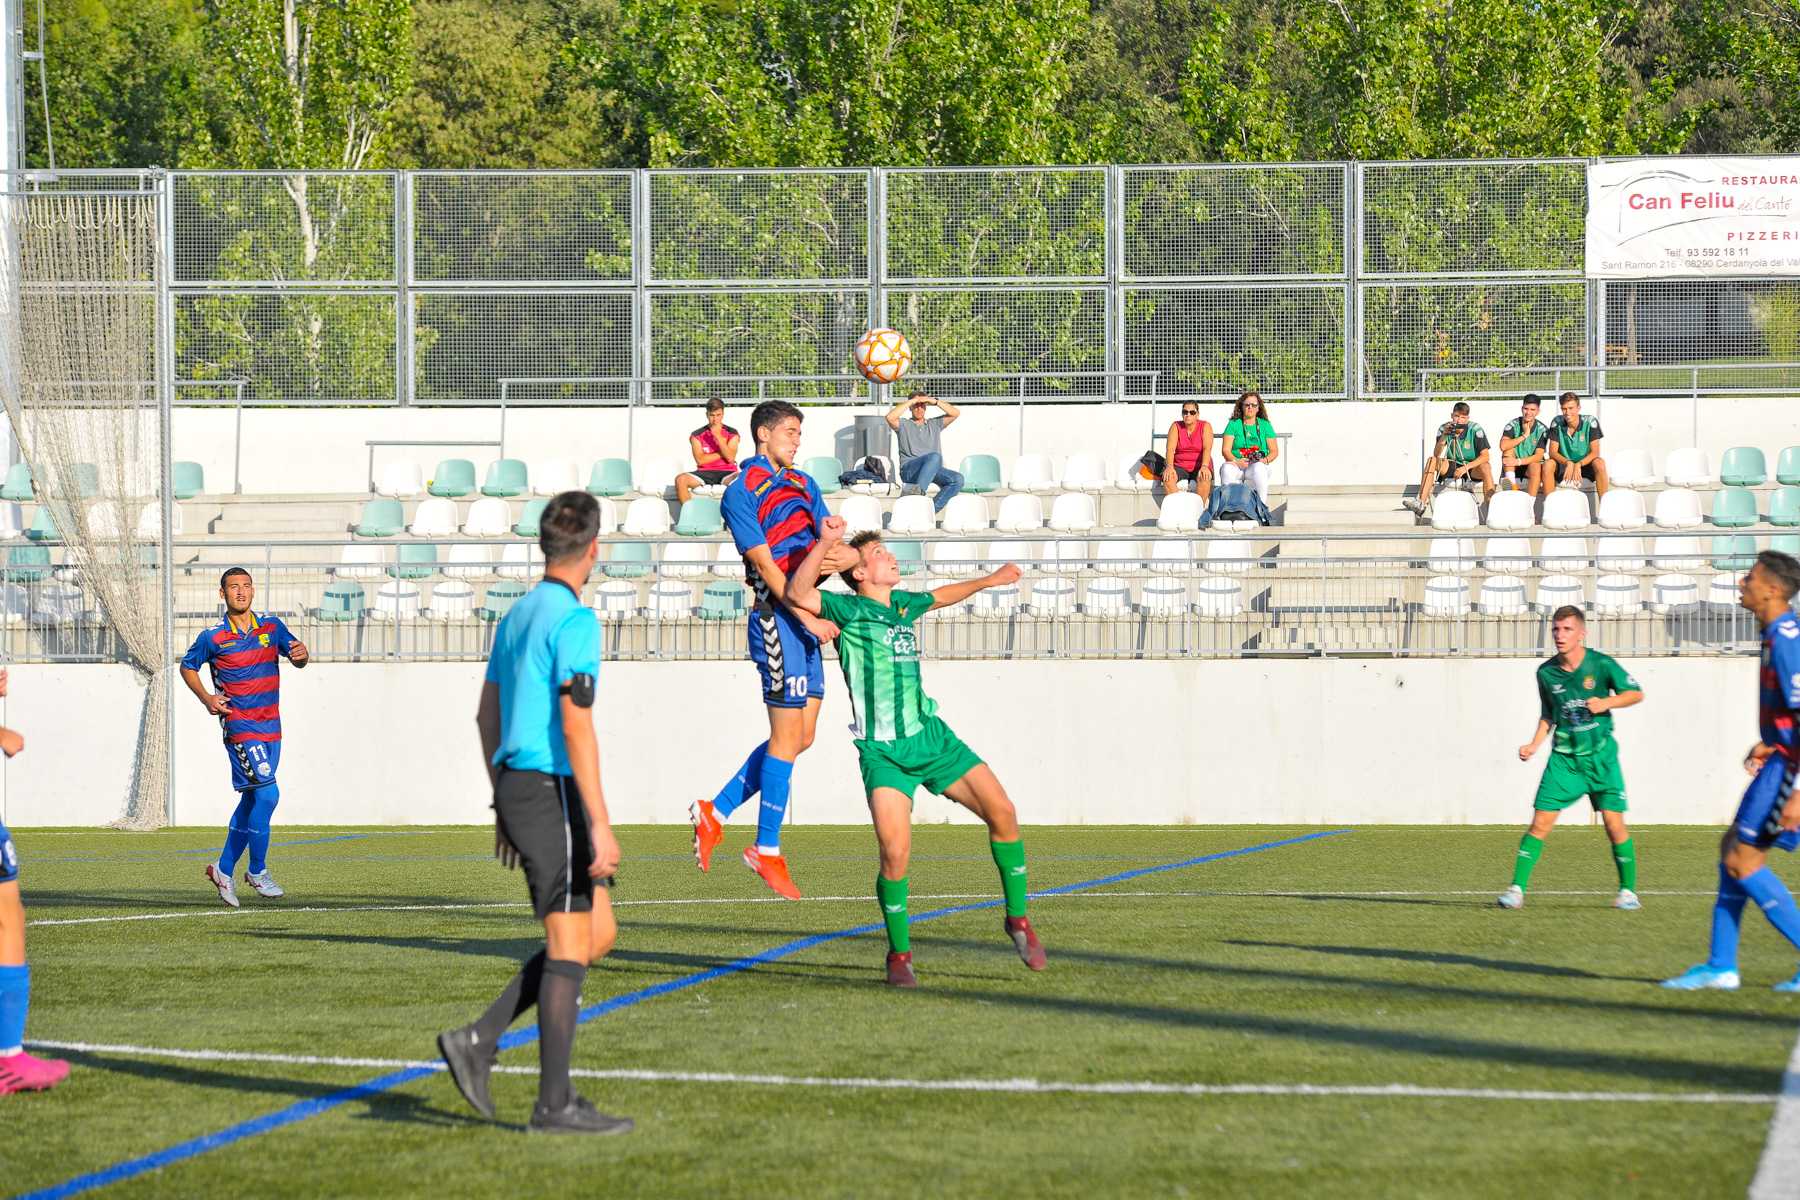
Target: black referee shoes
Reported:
[(579, 1117)]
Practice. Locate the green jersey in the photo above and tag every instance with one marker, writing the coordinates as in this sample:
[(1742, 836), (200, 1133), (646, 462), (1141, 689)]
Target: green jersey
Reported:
[(880, 655), (1573, 441), (1515, 428), (1563, 697), (1255, 436), (1464, 445)]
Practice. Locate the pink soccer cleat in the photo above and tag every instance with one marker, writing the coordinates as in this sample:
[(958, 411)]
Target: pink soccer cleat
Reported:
[(27, 1073)]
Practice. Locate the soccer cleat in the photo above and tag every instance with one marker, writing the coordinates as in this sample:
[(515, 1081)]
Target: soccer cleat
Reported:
[(27, 1073), (580, 1116), (222, 881), (264, 885), (469, 1067), (1789, 985), (1700, 977), (1512, 897), (774, 872), (708, 833), (1627, 900), (900, 972), (1025, 939)]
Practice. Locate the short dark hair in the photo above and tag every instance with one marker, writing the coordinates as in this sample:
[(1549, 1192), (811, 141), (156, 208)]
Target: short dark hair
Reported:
[(714, 404), (1783, 568), (769, 414), (1532, 398), (917, 395), (568, 526), (1568, 396), (1460, 408), (246, 574), (1569, 610), (867, 537)]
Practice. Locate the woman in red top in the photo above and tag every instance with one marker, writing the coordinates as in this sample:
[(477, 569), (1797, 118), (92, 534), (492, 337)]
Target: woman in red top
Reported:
[(1189, 453), (714, 446)]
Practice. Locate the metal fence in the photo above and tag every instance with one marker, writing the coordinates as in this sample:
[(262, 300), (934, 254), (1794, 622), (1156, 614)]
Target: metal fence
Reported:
[(1308, 281)]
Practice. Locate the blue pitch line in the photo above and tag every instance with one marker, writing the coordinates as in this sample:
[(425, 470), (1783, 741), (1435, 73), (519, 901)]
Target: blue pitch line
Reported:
[(300, 1111)]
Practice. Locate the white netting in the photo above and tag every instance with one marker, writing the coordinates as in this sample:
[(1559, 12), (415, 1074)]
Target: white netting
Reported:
[(77, 355)]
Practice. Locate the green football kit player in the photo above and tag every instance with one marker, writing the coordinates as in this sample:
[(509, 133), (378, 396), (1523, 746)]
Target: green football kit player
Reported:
[(1578, 690), (900, 740)]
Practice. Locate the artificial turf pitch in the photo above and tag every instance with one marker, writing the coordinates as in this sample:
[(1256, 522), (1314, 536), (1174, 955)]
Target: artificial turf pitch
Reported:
[(1207, 979)]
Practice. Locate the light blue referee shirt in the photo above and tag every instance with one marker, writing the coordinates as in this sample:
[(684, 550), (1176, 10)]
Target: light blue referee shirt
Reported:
[(544, 640)]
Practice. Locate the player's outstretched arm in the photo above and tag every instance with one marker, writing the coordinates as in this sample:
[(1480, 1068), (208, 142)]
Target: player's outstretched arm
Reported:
[(956, 593), (584, 763), (803, 586)]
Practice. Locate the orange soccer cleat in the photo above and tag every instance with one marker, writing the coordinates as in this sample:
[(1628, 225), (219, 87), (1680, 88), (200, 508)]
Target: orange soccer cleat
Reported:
[(774, 872), (1025, 941), (708, 833)]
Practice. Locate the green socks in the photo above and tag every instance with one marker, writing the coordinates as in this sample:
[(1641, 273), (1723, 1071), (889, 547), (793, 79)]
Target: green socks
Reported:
[(1010, 858), (892, 895), (1625, 858), (1529, 849)]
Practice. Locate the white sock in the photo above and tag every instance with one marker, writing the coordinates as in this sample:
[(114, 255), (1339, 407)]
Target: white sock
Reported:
[(13, 1051), (769, 851)]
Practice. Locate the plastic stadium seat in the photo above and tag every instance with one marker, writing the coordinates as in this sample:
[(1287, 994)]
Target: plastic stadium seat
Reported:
[(1129, 479), (1564, 553), (103, 519), (1454, 511), (342, 602), (18, 483), (860, 513), (1053, 597), (1677, 554), (1784, 506), (1743, 466), (1567, 508), (1630, 468), (615, 600), (1507, 554), (956, 558), (728, 563), (1120, 554), (1107, 596), (44, 525), (190, 479), (555, 477), (966, 515), (361, 562), (1160, 597), (669, 600), (27, 564), (1074, 512), (825, 470), (12, 521), (1787, 467), (488, 518), (381, 518), (1031, 473), (531, 519), (912, 514), (609, 516), (1678, 508), (1618, 594), (1554, 591), (1231, 555), (1733, 552), (507, 477), (981, 473), (1060, 557), (1452, 556), (83, 480), (1511, 511), (1688, 467), (1085, 473), (1722, 594), (1171, 556), (836, 584), (1622, 508), (454, 477), (629, 560), (1446, 595), (1501, 596), (1180, 513), (401, 479), (647, 516), (686, 560), (1618, 554), (1020, 513), (723, 602), (1218, 596), (469, 560), (396, 602), (1734, 508), (997, 603), (930, 584), (520, 560), (451, 602), (499, 599), (433, 519), (59, 604), (150, 521), (1674, 594), (416, 562), (610, 477), (872, 488), (700, 517), (1786, 543), (657, 478), (909, 555)]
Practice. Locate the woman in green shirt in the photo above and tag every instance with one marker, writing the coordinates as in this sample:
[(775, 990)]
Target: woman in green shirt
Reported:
[(1250, 445)]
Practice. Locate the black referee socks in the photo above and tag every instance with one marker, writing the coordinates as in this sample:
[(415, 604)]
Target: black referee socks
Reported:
[(559, 1002), (514, 1000)]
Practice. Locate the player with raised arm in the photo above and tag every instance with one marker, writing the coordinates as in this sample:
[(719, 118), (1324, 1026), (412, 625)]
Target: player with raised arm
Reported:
[(19, 1071), (900, 740), (1769, 814), (1578, 691), (774, 511), (244, 652)]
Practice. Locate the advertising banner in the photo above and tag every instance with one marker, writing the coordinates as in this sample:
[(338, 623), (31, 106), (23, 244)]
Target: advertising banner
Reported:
[(1679, 217)]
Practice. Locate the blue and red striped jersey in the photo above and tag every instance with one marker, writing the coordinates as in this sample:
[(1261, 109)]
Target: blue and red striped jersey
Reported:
[(246, 671), (782, 509), (1779, 683)]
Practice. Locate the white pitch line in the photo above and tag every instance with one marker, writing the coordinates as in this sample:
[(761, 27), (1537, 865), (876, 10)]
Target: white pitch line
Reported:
[(1778, 1171), (1041, 1086)]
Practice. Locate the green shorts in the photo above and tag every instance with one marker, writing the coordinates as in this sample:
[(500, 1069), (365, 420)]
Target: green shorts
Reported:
[(933, 756), (1569, 777)]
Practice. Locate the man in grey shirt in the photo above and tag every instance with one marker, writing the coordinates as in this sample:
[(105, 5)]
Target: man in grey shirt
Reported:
[(922, 446)]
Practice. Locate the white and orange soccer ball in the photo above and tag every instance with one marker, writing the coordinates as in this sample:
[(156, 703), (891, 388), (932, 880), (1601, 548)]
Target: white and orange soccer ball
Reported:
[(882, 355)]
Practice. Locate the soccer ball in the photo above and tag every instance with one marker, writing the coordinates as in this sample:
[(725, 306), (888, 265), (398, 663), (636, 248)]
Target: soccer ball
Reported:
[(882, 355)]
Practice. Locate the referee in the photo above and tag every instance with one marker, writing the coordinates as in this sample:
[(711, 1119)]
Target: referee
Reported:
[(537, 737)]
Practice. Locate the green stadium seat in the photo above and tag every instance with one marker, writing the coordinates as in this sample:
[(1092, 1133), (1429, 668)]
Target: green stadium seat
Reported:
[(500, 597), (422, 560), (1733, 552), (1787, 543), (84, 480), (629, 560), (1734, 508), (43, 526), (1784, 506), (381, 518), (981, 473), (1787, 466), (27, 564), (454, 477), (610, 477), (530, 519), (1743, 466), (190, 480), (724, 602), (506, 477), (700, 517), (826, 470), (342, 601), (18, 487), (911, 556)]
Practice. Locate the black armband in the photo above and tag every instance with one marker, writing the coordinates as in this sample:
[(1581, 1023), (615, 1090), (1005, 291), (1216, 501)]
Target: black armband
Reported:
[(580, 689)]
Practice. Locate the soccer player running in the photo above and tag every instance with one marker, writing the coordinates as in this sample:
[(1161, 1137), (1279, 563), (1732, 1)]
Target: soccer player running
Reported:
[(774, 511), (1578, 691), (900, 740), (536, 721), (1769, 814), (244, 652), (19, 1071)]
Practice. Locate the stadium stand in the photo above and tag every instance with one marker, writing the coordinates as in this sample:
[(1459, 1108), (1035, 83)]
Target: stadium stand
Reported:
[(18, 486), (1678, 508), (381, 518), (506, 477), (1120, 554), (415, 562), (700, 517), (1506, 554), (629, 560), (1053, 597), (1128, 479), (728, 563), (861, 514), (454, 478), (1674, 593), (1563, 553), (401, 479), (869, 487), (1787, 466), (1162, 597), (1171, 557), (724, 602), (1784, 506), (966, 514), (1554, 591), (1085, 472), (1446, 595), (1622, 508), (488, 518), (521, 560), (1454, 511), (499, 598), (686, 560), (556, 476), (910, 556), (669, 600), (825, 471), (1107, 596), (1501, 596), (913, 515), (981, 473), (956, 558), (468, 560), (1180, 513), (531, 517), (1743, 466), (396, 601), (1452, 556), (647, 516), (1074, 512), (1231, 555), (1623, 553), (610, 477), (1677, 553), (190, 479), (1020, 512), (1734, 508), (656, 479), (1032, 473), (1688, 467), (1631, 469), (434, 518), (1733, 552), (83, 480), (450, 601), (12, 520), (1616, 595), (1567, 508), (1217, 596), (1511, 510)]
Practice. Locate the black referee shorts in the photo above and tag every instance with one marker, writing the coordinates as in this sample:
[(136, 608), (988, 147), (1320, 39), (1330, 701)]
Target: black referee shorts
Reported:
[(544, 819)]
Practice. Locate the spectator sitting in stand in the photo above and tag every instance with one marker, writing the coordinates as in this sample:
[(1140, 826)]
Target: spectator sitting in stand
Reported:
[(1460, 454), (922, 446), (715, 446), (1250, 445), (1190, 453), (1574, 442), (1522, 448)]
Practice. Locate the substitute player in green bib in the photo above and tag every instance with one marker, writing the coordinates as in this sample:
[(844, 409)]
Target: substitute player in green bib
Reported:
[(1578, 690), (900, 740)]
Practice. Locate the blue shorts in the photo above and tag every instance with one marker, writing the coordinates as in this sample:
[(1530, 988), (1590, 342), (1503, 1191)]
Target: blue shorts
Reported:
[(9, 857), (1758, 820), (252, 764), (791, 660)]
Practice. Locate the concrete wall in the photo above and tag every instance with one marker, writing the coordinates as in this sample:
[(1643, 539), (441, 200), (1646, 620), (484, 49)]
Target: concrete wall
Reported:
[(1336, 741)]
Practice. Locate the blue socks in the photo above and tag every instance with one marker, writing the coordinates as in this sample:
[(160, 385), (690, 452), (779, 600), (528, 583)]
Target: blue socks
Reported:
[(1777, 903), (775, 777), (745, 784), (250, 828), (15, 999), (1728, 913)]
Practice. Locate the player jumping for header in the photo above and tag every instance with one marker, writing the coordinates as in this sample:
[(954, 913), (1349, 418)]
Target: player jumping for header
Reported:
[(244, 651), (774, 511), (900, 741), (1578, 689), (1769, 814)]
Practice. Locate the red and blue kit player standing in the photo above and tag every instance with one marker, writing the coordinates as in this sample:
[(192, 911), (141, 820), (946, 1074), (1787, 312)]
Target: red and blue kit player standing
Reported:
[(244, 652), (774, 511), (1769, 814)]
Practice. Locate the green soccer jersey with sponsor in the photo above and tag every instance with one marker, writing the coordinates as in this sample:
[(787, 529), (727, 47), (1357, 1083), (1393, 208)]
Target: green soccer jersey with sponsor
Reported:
[(1572, 441), (879, 651), (1463, 445), (1533, 436), (1563, 697)]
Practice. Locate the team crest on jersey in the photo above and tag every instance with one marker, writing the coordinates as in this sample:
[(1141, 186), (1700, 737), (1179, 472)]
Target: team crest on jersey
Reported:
[(902, 644), (262, 639), (1588, 683)]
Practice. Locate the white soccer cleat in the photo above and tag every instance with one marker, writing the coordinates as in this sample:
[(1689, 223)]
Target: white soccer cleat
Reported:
[(222, 881), (264, 885), (1512, 897), (1703, 978), (1627, 900)]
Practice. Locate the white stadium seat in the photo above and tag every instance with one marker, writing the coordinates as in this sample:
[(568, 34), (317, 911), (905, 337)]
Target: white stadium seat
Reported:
[(1020, 514), (997, 602), (647, 516), (1120, 554), (103, 519), (609, 516), (1452, 556), (1511, 511), (911, 514), (1676, 553), (1172, 556), (1031, 473), (1053, 597), (1674, 594), (1128, 478), (396, 600), (1062, 557), (60, 604), (1567, 508), (357, 560), (966, 514), (1446, 595), (1180, 513), (1455, 511), (1160, 597), (956, 558), (1085, 473), (615, 599), (1619, 554), (401, 478), (557, 476), (686, 559), (670, 600), (1218, 595), (1563, 553), (1554, 591), (1630, 468), (1502, 596), (520, 560), (488, 517), (861, 513), (1722, 593), (149, 521), (1618, 594), (1231, 555), (1507, 554), (15, 604), (1074, 512), (1686, 468), (434, 518), (657, 478), (476, 560), (1679, 508), (451, 601), (1107, 596), (728, 563), (1622, 508), (931, 583), (12, 521)]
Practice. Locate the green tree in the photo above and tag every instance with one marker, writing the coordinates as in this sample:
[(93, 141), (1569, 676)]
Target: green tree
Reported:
[(1756, 43)]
